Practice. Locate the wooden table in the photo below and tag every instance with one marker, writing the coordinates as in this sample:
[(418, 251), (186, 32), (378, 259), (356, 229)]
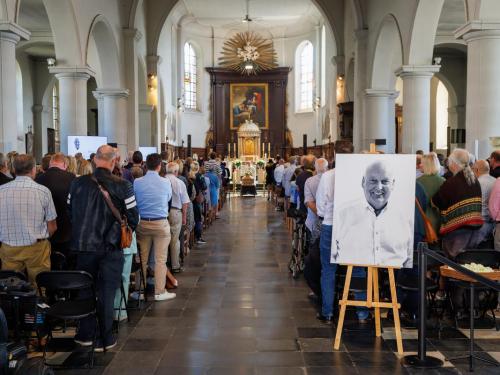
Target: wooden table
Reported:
[(453, 274)]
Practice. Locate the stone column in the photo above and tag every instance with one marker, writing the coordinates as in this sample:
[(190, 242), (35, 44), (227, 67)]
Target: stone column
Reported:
[(114, 116), (416, 108), (131, 37), (361, 37), (145, 136), (8, 109), (72, 102), (37, 110), (379, 119), (483, 84)]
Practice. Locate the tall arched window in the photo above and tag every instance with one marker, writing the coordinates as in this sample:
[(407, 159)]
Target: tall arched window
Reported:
[(190, 77), (305, 77)]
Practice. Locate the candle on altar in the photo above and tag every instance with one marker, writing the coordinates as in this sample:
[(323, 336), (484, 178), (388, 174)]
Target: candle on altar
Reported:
[(269, 148), (235, 150), (263, 150)]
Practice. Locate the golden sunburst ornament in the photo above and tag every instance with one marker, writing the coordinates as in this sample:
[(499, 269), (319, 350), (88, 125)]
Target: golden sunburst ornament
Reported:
[(248, 53)]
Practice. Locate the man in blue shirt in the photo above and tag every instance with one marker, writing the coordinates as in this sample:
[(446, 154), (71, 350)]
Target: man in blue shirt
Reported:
[(152, 193)]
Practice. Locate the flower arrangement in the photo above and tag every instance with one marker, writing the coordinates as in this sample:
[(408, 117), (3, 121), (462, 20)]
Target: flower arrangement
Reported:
[(237, 163), (261, 163)]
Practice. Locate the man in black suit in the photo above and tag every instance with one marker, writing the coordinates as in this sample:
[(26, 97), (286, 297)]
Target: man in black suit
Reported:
[(58, 181), (4, 170)]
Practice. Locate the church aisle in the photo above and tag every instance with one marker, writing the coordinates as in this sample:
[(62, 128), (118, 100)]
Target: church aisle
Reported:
[(238, 311)]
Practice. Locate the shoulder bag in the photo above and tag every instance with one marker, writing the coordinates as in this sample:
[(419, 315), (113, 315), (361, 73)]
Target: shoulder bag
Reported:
[(126, 231), (430, 233)]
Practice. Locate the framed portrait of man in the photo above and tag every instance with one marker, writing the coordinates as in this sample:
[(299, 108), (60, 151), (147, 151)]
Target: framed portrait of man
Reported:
[(249, 101), (374, 208)]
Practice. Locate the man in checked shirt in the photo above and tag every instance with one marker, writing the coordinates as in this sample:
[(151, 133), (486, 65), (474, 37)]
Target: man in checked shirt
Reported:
[(27, 220)]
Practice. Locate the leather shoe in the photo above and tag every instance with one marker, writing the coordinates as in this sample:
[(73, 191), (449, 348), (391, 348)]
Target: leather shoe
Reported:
[(324, 319)]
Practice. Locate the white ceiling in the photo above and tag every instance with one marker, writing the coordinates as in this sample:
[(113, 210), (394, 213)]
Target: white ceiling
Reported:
[(32, 16), (265, 13), (452, 17)]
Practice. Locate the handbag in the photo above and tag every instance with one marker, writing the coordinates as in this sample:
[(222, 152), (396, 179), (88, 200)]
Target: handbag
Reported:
[(430, 233), (126, 231)]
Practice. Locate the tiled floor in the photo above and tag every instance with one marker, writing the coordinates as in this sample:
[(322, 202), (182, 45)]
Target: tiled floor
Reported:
[(239, 312)]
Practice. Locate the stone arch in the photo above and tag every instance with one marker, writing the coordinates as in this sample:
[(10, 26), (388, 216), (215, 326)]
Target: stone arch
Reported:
[(107, 50), (423, 32), (64, 25), (388, 54)]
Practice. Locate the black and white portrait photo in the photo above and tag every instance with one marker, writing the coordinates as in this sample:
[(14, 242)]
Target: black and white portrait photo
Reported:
[(373, 215)]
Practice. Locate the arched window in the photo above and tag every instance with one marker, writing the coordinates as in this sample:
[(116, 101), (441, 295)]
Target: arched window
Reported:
[(305, 76), (190, 77)]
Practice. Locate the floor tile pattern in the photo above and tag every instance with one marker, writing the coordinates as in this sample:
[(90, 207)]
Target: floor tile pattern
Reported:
[(239, 312)]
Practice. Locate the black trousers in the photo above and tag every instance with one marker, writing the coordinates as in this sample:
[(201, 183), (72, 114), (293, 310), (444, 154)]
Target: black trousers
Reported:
[(106, 268)]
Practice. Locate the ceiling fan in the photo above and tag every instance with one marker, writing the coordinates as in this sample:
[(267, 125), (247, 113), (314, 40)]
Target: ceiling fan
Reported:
[(247, 18)]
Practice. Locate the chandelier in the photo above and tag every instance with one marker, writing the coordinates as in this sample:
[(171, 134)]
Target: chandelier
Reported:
[(248, 53)]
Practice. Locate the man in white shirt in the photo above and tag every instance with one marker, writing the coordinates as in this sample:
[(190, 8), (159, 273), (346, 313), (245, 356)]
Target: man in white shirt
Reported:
[(324, 209), (178, 213), (481, 169), (279, 171), (310, 190), (372, 231)]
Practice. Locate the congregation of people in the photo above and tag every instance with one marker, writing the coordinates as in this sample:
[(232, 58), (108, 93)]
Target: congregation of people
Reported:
[(460, 197), (68, 213)]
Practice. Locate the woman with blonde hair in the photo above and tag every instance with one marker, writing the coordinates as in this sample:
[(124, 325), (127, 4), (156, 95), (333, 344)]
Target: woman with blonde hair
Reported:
[(85, 168), (431, 181), (72, 167)]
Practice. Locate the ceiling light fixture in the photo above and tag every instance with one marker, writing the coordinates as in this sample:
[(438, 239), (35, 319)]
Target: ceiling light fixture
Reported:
[(51, 62)]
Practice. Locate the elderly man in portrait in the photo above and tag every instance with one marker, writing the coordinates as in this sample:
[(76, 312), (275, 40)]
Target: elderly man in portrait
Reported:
[(373, 231)]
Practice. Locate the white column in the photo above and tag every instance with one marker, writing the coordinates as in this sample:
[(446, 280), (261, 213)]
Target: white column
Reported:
[(131, 37), (483, 84), (378, 120), (416, 106), (8, 109), (72, 102), (114, 116), (39, 151), (145, 137), (361, 38)]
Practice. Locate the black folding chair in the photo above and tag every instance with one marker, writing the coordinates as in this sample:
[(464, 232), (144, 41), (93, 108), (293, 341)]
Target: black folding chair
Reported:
[(70, 307), (5, 274)]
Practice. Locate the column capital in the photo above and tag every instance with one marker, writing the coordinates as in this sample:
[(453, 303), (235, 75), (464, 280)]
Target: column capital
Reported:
[(478, 29), (73, 72), (391, 94), (114, 93), (459, 109), (7, 27), (132, 33), (417, 71)]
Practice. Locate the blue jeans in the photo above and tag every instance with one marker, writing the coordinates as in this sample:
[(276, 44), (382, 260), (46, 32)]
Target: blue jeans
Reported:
[(328, 271), (361, 312)]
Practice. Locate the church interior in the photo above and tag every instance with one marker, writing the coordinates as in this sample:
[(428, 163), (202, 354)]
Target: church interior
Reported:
[(250, 82)]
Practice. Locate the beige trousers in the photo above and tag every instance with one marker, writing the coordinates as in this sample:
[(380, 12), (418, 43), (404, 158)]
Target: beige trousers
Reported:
[(175, 220), (155, 234), (34, 258)]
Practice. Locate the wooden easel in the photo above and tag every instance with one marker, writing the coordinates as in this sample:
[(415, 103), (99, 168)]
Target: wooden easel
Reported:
[(372, 300)]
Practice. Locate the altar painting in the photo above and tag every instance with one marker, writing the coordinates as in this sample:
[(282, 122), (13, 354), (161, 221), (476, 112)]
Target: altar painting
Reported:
[(249, 101)]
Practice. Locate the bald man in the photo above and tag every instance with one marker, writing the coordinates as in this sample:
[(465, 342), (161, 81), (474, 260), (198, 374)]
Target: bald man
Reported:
[(372, 230), (95, 238), (481, 169)]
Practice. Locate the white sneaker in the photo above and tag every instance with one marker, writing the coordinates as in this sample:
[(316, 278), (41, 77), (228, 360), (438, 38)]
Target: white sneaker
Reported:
[(164, 296)]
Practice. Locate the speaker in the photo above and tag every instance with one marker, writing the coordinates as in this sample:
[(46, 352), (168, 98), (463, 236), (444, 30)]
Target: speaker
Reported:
[(380, 142), (189, 153), (304, 143)]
